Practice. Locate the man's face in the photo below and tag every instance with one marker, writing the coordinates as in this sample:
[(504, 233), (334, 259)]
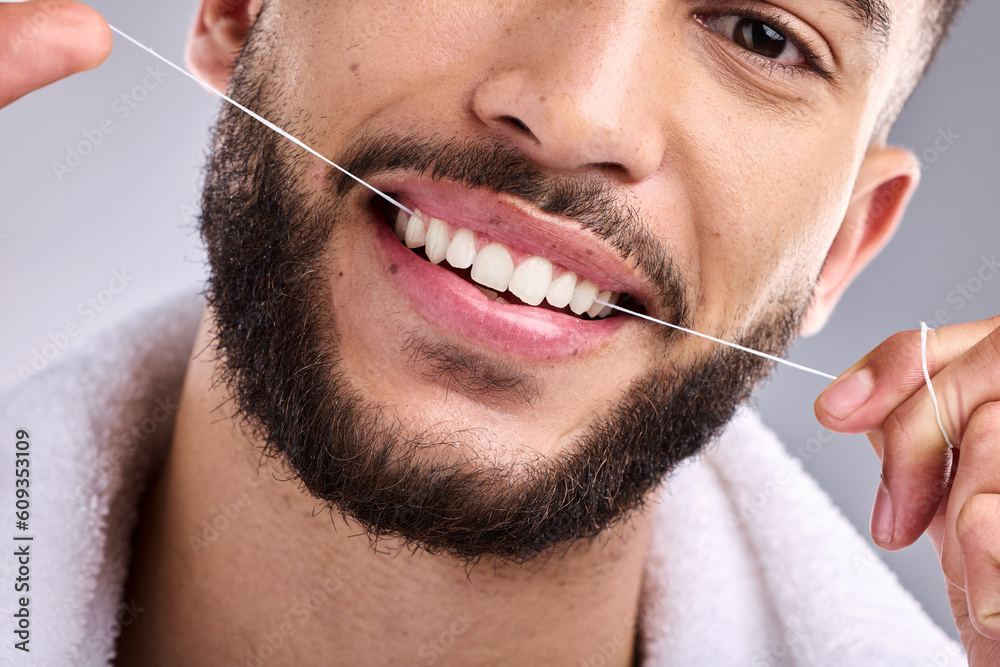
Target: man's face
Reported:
[(696, 156)]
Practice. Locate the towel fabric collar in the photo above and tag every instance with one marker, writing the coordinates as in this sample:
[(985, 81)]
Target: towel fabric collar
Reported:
[(750, 563)]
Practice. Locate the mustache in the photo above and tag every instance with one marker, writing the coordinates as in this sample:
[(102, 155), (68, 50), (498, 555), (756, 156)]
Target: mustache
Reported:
[(591, 200)]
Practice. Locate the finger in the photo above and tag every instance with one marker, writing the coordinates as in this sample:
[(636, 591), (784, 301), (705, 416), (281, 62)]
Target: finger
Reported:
[(980, 554), (976, 476), (916, 459), (862, 398), (938, 528), (981, 651), (42, 42)]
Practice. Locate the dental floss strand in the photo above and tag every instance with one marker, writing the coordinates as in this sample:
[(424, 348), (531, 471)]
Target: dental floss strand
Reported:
[(392, 201), (727, 343), (927, 378), (263, 120)]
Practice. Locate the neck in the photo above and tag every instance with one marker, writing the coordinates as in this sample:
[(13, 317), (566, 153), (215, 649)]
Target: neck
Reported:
[(234, 565)]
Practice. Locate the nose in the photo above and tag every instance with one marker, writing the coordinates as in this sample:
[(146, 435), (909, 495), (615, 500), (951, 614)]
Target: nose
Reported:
[(571, 95)]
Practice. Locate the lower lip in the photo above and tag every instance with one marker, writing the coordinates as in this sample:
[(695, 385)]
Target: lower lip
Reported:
[(454, 305)]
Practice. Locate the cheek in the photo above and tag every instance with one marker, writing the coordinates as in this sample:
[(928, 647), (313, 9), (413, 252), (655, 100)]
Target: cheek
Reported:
[(750, 209), (348, 66), (767, 207)]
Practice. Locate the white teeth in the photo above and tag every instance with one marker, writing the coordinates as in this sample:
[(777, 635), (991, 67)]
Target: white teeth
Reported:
[(462, 249), (560, 292), (416, 236), (437, 241), (402, 217), (583, 297), (608, 310), (599, 308), (531, 280), (493, 267)]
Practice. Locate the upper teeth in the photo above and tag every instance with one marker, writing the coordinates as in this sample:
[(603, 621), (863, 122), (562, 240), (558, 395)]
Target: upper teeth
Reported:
[(533, 280)]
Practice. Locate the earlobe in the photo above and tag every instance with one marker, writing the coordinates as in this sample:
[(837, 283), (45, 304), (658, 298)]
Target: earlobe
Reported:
[(219, 32), (886, 181)]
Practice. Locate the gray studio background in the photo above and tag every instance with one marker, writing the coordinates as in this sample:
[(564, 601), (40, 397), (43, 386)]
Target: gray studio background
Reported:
[(129, 206)]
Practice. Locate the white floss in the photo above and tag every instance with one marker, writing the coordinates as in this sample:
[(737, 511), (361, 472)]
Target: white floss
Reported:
[(392, 201), (927, 378), (735, 346), (263, 120)]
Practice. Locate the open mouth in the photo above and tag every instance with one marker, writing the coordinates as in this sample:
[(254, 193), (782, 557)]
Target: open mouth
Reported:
[(501, 273)]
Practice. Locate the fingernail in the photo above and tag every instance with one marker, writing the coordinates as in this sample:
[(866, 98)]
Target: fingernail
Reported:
[(883, 518), (846, 396)]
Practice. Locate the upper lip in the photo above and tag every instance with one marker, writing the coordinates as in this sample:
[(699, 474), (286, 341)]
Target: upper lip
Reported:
[(516, 224)]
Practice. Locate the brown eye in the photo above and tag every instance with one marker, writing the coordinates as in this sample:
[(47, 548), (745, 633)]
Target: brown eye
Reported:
[(757, 37), (760, 38)]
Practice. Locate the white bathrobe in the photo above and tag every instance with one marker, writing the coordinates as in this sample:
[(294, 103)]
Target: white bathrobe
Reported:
[(750, 562)]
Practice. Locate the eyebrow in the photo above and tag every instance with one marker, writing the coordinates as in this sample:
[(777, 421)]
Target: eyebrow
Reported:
[(873, 15)]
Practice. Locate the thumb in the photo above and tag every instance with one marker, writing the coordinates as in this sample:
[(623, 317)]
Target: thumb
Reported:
[(42, 42)]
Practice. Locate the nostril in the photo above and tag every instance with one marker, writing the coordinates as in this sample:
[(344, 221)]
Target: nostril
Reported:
[(519, 124), (613, 169)]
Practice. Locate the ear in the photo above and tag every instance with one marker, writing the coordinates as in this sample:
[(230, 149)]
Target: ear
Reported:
[(886, 181), (219, 32)]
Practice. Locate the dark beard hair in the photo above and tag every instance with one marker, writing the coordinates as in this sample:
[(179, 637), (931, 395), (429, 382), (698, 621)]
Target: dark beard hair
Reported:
[(279, 360)]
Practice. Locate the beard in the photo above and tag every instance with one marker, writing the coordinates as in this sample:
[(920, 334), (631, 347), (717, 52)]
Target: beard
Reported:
[(279, 351)]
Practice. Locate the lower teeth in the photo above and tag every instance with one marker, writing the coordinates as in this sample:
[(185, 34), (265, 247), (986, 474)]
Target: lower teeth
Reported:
[(495, 297)]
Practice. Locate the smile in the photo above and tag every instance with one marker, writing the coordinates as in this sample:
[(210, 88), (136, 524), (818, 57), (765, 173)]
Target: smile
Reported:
[(514, 281), (491, 266)]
